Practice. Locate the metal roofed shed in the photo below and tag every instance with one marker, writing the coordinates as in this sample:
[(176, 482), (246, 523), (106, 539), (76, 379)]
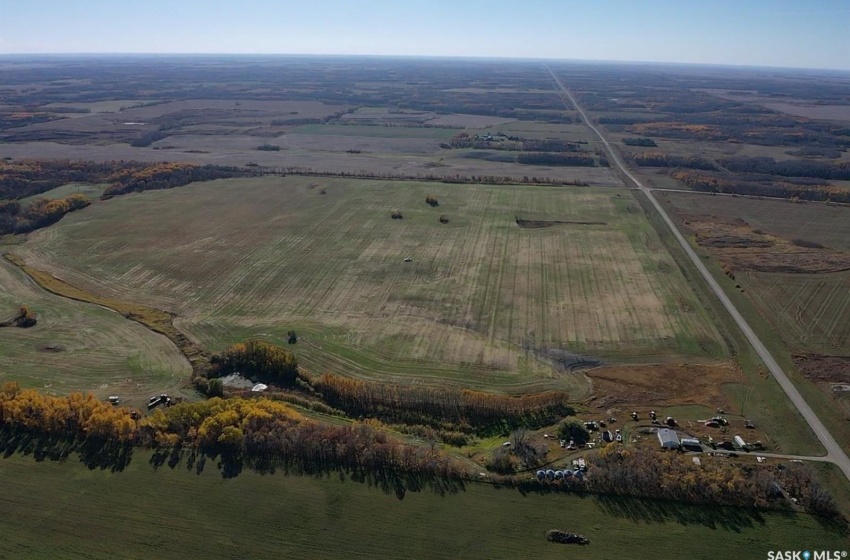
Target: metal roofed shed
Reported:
[(668, 438)]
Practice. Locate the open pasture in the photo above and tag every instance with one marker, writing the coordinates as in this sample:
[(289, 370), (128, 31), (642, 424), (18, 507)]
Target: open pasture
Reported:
[(146, 512), (81, 347), (483, 301)]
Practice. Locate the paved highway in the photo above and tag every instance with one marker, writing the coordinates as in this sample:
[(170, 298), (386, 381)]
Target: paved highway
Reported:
[(834, 453)]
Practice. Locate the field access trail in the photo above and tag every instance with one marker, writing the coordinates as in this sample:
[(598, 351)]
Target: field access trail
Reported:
[(834, 453)]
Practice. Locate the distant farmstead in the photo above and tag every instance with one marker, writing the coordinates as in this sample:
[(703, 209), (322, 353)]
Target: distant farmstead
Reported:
[(668, 438)]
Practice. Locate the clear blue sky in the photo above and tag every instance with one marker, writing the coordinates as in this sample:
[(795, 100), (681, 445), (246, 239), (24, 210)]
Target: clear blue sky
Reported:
[(802, 33)]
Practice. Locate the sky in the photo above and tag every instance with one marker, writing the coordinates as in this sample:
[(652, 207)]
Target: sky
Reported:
[(798, 34)]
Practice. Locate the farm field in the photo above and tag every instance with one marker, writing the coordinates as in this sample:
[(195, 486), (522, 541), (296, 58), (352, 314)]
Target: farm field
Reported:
[(82, 347), (144, 512), (484, 302), (375, 131), (809, 310), (827, 225)]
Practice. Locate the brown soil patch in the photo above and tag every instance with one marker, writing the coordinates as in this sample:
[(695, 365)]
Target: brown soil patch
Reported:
[(661, 384), (741, 247), (820, 367)]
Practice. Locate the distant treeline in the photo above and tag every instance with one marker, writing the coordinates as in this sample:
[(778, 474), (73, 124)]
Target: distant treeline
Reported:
[(512, 143), (41, 213), (453, 179), (780, 189), (549, 158), (660, 159), (23, 178), (789, 168), (771, 132)]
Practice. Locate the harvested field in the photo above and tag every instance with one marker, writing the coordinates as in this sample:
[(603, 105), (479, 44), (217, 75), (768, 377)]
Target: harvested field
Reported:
[(665, 384), (82, 347), (376, 131), (481, 295), (802, 290), (820, 223), (741, 247), (811, 311)]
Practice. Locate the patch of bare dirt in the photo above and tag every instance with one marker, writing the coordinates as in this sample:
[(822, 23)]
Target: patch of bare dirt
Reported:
[(821, 367), (741, 247), (665, 384)]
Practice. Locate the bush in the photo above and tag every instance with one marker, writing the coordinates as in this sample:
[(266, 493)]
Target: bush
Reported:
[(215, 388), (444, 219), (396, 215), (269, 148), (431, 201)]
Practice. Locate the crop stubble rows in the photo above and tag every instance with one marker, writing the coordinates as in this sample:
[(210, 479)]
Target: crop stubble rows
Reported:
[(481, 295)]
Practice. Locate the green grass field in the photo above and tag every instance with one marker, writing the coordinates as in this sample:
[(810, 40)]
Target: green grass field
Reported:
[(91, 191), (480, 301), (375, 131), (81, 347), (147, 513)]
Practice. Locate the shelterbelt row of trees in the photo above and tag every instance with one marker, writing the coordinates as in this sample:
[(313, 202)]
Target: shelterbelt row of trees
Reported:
[(706, 182), (259, 432), (636, 471), (41, 213)]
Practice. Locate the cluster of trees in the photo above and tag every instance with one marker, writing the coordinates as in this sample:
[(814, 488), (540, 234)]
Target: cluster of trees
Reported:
[(781, 189), (266, 433), (432, 201), (649, 473), (647, 142), (573, 430), (41, 213), (569, 159), (24, 319), (73, 417), (660, 159), (268, 148), (257, 360), (166, 175), (789, 168), (463, 410), (675, 129)]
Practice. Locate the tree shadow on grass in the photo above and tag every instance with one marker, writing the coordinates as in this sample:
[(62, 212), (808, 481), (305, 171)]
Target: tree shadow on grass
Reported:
[(93, 453), (231, 465)]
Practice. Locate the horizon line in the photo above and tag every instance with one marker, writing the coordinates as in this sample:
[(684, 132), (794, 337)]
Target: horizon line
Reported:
[(420, 56)]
